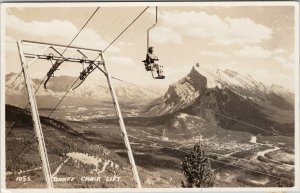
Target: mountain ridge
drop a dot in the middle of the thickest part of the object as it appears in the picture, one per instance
(227, 93)
(91, 90)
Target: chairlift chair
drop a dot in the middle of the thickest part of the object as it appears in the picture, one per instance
(148, 65)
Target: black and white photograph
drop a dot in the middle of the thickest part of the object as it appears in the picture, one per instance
(169, 96)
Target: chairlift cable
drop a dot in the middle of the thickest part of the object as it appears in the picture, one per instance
(22, 152)
(73, 38)
(59, 62)
(240, 167)
(117, 38)
(239, 121)
(63, 97)
(150, 90)
(62, 54)
(225, 116)
(44, 80)
(118, 79)
(125, 29)
(81, 29)
(14, 125)
(120, 19)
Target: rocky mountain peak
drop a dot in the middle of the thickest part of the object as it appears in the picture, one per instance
(204, 79)
(231, 73)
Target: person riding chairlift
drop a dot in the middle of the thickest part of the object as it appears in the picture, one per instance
(150, 61)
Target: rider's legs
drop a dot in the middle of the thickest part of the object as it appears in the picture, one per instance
(158, 68)
(161, 69)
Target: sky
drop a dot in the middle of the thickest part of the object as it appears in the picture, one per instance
(254, 40)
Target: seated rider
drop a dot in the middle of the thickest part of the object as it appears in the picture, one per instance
(151, 58)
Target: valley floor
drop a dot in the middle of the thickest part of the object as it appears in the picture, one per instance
(238, 159)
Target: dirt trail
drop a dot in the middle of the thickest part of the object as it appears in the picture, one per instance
(264, 152)
(59, 167)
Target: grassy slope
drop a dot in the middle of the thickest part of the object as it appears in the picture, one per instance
(60, 139)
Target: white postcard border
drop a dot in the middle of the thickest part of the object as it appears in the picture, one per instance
(107, 4)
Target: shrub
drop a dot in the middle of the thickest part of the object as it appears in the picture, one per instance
(197, 169)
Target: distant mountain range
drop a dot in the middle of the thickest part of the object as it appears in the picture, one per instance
(91, 90)
(223, 97)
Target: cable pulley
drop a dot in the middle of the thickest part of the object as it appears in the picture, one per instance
(85, 73)
(54, 68)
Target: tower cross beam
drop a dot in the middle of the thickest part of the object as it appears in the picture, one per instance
(66, 59)
(34, 109)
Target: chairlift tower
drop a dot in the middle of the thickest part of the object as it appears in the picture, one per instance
(97, 63)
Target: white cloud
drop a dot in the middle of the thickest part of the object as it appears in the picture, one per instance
(233, 65)
(121, 60)
(286, 62)
(10, 44)
(165, 35)
(57, 31)
(123, 43)
(213, 54)
(244, 31)
(254, 52)
(287, 81)
(280, 59)
(279, 51)
(277, 55)
(223, 31)
(267, 76)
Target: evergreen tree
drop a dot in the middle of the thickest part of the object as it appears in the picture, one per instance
(197, 169)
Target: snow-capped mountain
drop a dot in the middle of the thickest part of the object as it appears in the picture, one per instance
(213, 95)
(181, 93)
(91, 89)
(284, 93)
(185, 91)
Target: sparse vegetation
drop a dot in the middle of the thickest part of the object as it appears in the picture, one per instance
(158, 166)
